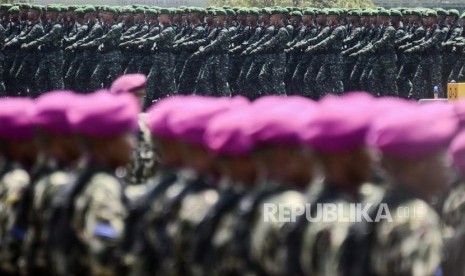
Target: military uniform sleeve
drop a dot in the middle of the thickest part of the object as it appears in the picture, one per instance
(279, 39)
(95, 33)
(386, 41)
(166, 34)
(79, 35)
(51, 37)
(221, 40)
(103, 214)
(113, 34)
(436, 39)
(354, 37)
(36, 32)
(337, 33)
(410, 244)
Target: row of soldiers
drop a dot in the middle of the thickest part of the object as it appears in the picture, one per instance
(410, 53)
(231, 178)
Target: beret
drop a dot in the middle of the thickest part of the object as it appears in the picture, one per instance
(384, 13)
(227, 133)
(128, 83)
(164, 11)
(265, 11)
(453, 12)
(463, 15)
(105, 115)
(53, 8)
(283, 121)
(395, 13)
(219, 12)
(139, 10)
(189, 124)
(253, 11)
(321, 12)
(416, 12)
(89, 9)
(308, 12)
(230, 12)
(441, 11)
(5, 7)
(16, 115)
(403, 134)
(52, 111)
(14, 9)
(337, 127)
(296, 13)
(354, 13)
(151, 11)
(428, 13)
(243, 11)
(160, 113)
(333, 12)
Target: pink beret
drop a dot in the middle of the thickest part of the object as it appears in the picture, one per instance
(128, 83)
(414, 132)
(189, 123)
(159, 113)
(16, 117)
(457, 150)
(227, 133)
(337, 127)
(281, 125)
(52, 111)
(103, 114)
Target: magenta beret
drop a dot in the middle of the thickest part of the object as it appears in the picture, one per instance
(189, 123)
(128, 83)
(414, 132)
(227, 133)
(159, 114)
(103, 114)
(16, 117)
(337, 127)
(52, 111)
(281, 124)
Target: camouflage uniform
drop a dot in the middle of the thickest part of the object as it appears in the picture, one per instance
(9, 55)
(134, 57)
(12, 187)
(188, 69)
(384, 72)
(28, 66)
(235, 61)
(449, 58)
(429, 70)
(2, 63)
(411, 61)
(37, 254)
(408, 245)
(321, 243)
(329, 77)
(160, 81)
(75, 57)
(143, 63)
(89, 59)
(98, 221)
(109, 67)
(253, 73)
(355, 35)
(311, 88)
(297, 81)
(49, 75)
(193, 65)
(272, 73)
(212, 80)
(242, 85)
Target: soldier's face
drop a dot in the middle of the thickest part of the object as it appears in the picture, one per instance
(240, 169)
(198, 158)
(164, 18)
(170, 152)
(251, 19)
(33, 15)
(321, 19)
(450, 20)
(14, 17)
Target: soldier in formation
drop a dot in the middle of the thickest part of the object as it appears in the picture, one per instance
(348, 185)
(252, 52)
